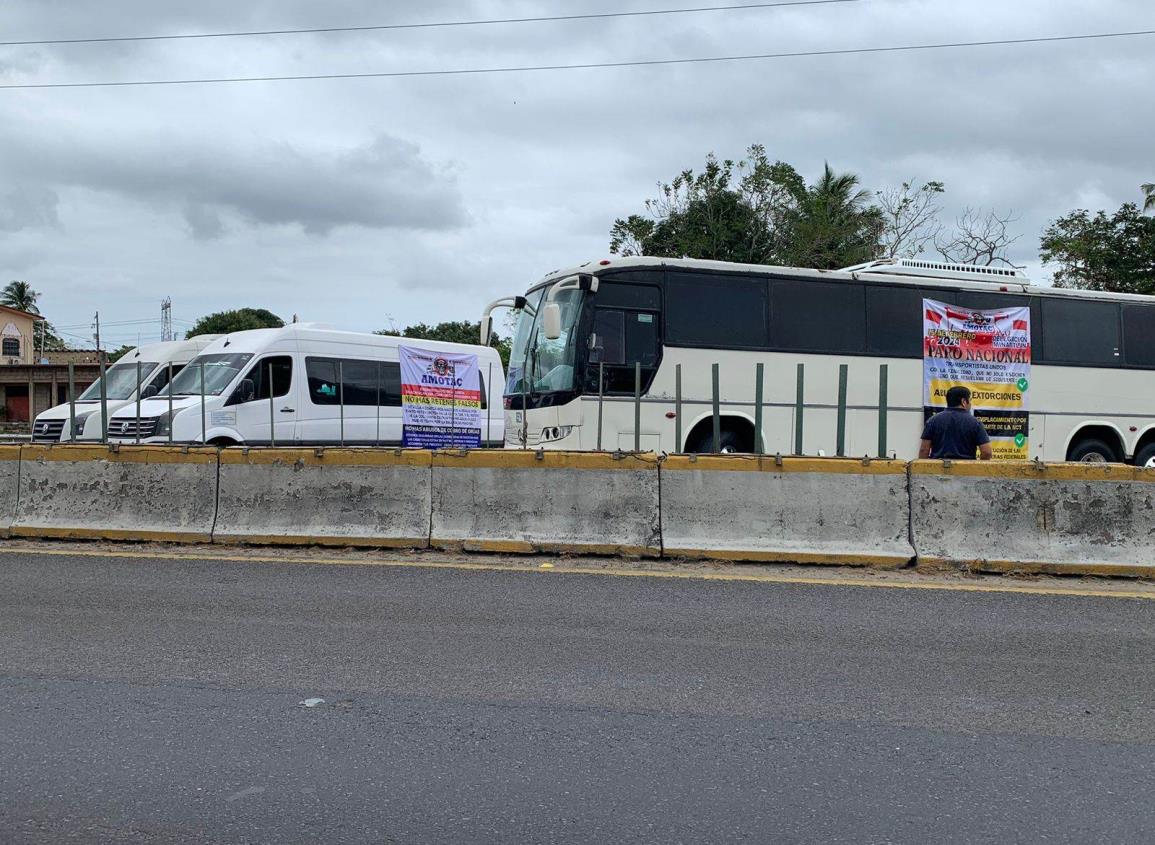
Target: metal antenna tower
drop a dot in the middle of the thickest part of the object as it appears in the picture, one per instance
(166, 319)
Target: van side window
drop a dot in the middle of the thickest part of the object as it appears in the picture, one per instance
(160, 382)
(281, 367)
(332, 380)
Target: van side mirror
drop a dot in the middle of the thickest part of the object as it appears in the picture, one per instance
(248, 390)
(551, 321)
(149, 392)
(486, 329)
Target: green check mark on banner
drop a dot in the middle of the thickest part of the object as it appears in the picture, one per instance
(1023, 384)
(1020, 439)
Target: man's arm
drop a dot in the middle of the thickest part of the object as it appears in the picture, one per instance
(924, 447)
(986, 453)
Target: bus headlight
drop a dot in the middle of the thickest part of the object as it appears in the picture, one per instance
(557, 432)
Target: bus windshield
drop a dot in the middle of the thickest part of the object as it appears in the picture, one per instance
(520, 349)
(220, 370)
(550, 363)
(120, 382)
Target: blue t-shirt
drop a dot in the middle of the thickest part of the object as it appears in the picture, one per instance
(954, 434)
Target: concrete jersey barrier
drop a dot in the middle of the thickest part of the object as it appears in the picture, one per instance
(9, 487)
(1056, 518)
(563, 502)
(795, 510)
(348, 497)
(130, 493)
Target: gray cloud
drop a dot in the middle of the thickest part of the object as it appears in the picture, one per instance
(27, 208)
(384, 183)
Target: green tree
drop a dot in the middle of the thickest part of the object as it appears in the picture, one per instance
(1149, 194)
(462, 331)
(730, 211)
(116, 354)
(240, 320)
(755, 211)
(1102, 252)
(835, 224)
(23, 297)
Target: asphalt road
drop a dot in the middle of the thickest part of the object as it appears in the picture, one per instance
(151, 700)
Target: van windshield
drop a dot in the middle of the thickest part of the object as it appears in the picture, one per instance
(220, 370)
(120, 382)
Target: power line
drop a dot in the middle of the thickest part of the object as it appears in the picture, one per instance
(589, 66)
(436, 25)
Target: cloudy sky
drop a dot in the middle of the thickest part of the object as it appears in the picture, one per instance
(360, 202)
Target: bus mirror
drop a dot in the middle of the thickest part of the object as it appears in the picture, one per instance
(149, 392)
(486, 329)
(248, 390)
(551, 321)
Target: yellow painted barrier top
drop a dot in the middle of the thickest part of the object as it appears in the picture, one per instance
(1026, 470)
(10, 453)
(122, 454)
(522, 459)
(771, 463)
(332, 457)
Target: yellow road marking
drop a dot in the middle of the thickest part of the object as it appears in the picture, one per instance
(747, 577)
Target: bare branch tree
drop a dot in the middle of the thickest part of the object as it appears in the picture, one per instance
(981, 238)
(910, 219)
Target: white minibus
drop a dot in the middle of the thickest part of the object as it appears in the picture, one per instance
(656, 328)
(153, 364)
(328, 388)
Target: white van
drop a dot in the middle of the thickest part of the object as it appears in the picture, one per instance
(54, 425)
(305, 363)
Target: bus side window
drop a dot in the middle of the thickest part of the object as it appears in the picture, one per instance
(623, 339)
(160, 382)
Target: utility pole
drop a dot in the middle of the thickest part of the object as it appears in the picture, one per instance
(99, 351)
(166, 319)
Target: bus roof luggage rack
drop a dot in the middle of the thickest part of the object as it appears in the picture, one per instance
(937, 270)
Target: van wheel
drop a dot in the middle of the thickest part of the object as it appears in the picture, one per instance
(223, 442)
(1145, 457)
(1093, 451)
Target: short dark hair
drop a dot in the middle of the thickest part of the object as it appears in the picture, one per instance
(957, 395)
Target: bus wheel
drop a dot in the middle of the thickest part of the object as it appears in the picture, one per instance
(1093, 451)
(1145, 457)
(732, 444)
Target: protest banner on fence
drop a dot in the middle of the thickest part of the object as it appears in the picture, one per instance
(440, 399)
(989, 352)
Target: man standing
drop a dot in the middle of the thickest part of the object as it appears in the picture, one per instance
(954, 434)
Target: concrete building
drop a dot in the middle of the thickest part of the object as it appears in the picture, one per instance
(29, 381)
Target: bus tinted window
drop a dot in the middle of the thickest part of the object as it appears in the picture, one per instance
(722, 312)
(1076, 332)
(613, 294)
(1139, 335)
(823, 317)
(894, 320)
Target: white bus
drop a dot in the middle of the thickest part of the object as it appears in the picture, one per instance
(1093, 373)
(328, 388)
(152, 364)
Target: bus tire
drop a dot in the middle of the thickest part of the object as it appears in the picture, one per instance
(1145, 457)
(731, 444)
(1093, 451)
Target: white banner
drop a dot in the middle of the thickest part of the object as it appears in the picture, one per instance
(440, 399)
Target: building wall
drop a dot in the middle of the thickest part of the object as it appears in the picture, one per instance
(16, 329)
(49, 387)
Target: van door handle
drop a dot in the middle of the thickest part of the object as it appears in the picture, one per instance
(288, 410)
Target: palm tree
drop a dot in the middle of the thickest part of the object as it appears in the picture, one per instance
(836, 225)
(21, 296)
(1149, 190)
